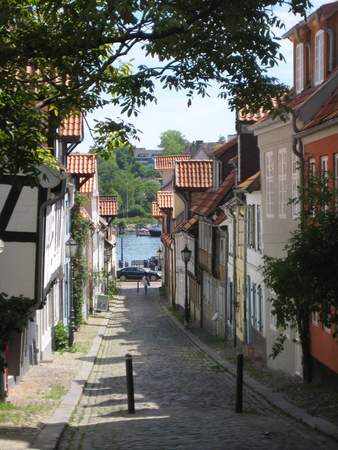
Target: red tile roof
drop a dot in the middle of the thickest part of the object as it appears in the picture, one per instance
(211, 199)
(155, 210)
(252, 183)
(72, 128)
(327, 112)
(322, 13)
(165, 199)
(224, 147)
(168, 162)
(186, 225)
(108, 206)
(83, 164)
(194, 174)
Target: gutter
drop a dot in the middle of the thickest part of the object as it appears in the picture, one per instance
(42, 234)
(317, 128)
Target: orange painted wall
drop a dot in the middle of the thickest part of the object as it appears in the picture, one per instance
(323, 346)
(327, 146)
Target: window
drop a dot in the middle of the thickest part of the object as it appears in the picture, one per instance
(314, 320)
(251, 226)
(319, 57)
(312, 167)
(282, 186)
(260, 308)
(269, 174)
(336, 177)
(324, 169)
(295, 186)
(299, 68)
(336, 171)
(230, 302)
(259, 228)
(253, 305)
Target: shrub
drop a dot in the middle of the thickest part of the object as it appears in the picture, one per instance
(61, 336)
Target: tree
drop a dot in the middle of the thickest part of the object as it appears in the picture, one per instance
(173, 142)
(60, 57)
(305, 281)
(123, 176)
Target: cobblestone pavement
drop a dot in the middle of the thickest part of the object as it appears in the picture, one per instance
(39, 392)
(184, 400)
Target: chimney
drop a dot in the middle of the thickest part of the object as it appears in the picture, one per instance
(216, 174)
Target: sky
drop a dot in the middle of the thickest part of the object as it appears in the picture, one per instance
(206, 119)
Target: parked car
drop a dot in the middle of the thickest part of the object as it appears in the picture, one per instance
(136, 273)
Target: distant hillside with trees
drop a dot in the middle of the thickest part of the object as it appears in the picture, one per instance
(173, 142)
(134, 184)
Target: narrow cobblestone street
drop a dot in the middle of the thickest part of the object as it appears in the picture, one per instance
(184, 400)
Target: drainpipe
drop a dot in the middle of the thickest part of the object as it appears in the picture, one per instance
(297, 149)
(243, 204)
(41, 241)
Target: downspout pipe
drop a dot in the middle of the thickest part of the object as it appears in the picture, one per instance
(41, 241)
(298, 150)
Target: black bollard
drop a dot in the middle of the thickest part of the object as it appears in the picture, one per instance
(130, 384)
(239, 384)
(138, 286)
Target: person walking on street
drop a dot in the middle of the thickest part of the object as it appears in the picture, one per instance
(145, 283)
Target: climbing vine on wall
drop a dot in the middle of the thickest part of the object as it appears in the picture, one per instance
(14, 314)
(80, 233)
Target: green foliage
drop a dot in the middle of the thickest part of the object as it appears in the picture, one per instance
(132, 182)
(305, 279)
(80, 232)
(113, 288)
(173, 142)
(81, 51)
(61, 336)
(14, 313)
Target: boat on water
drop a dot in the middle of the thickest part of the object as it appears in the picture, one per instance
(155, 231)
(142, 232)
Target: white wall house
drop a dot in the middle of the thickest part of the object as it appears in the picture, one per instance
(256, 326)
(182, 239)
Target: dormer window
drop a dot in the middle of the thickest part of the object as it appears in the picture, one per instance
(319, 57)
(299, 68)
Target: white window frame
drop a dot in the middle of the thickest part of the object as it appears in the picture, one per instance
(295, 186)
(299, 82)
(259, 228)
(314, 318)
(269, 179)
(312, 167)
(319, 57)
(324, 168)
(282, 183)
(336, 171)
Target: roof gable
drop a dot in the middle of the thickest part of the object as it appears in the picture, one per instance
(194, 174)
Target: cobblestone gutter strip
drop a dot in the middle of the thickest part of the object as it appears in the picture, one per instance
(274, 398)
(54, 426)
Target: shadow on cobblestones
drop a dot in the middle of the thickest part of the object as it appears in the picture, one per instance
(184, 400)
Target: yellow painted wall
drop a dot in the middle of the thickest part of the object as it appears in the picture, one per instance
(178, 206)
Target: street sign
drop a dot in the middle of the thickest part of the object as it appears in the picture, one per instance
(102, 302)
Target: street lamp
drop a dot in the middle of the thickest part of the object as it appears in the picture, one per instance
(107, 257)
(71, 251)
(159, 252)
(186, 255)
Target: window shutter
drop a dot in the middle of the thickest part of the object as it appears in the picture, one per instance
(319, 57)
(299, 68)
